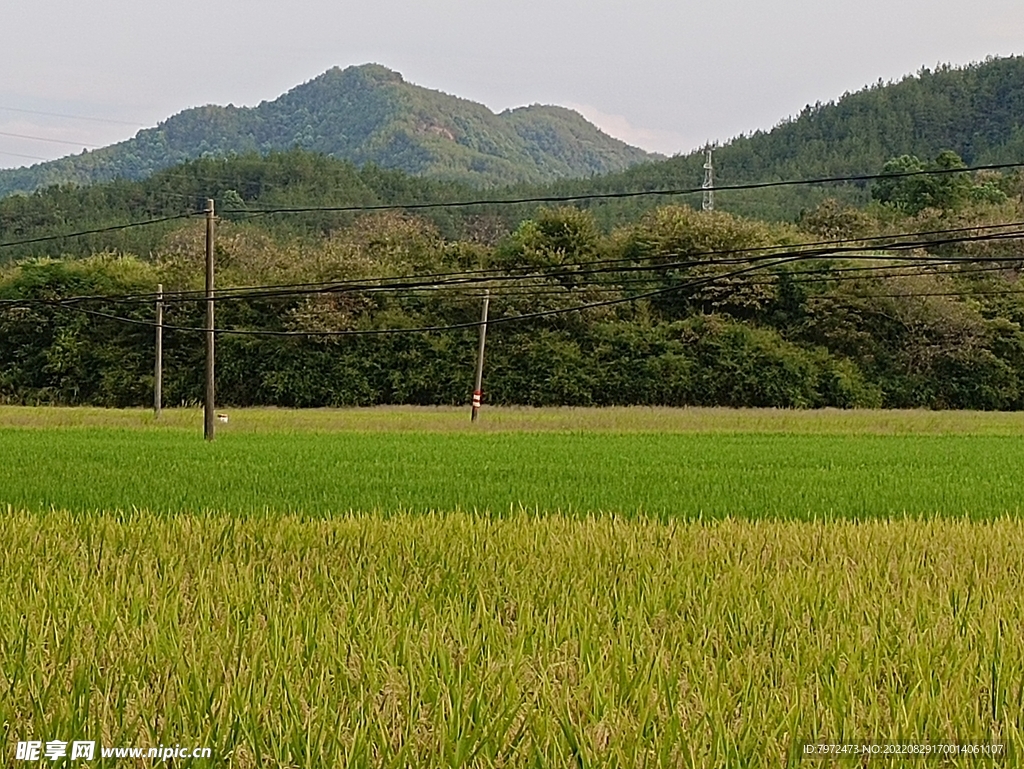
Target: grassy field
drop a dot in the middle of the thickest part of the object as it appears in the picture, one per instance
(710, 472)
(622, 420)
(617, 588)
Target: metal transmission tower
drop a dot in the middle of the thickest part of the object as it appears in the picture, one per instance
(709, 181)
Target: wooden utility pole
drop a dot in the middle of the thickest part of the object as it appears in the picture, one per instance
(209, 417)
(158, 373)
(477, 389)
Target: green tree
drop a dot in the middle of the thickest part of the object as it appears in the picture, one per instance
(910, 190)
(899, 190)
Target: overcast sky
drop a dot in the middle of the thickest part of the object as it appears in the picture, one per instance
(666, 75)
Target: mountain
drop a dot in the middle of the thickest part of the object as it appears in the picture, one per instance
(976, 111)
(365, 114)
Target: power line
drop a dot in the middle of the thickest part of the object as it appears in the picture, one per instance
(431, 329)
(695, 283)
(45, 139)
(617, 195)
(71, 117)
(19, 155)
(916, 294)
(543, 199)
(416, 283)
(816, 275)
(98, 230)
(757, 264)
(469, 279)
(832, 275)
(252, 212)
(800, 252)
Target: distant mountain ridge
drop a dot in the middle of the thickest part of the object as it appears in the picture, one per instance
(370, 115)
(976, 110)
(364, 114)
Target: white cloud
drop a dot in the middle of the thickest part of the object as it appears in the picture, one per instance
(650, 139)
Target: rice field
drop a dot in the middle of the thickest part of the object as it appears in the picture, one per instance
(665, 475)
(718, 592)
(613, 419)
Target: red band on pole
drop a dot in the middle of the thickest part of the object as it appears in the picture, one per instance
(476, 399)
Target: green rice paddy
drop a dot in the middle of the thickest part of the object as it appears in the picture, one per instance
(667, 475)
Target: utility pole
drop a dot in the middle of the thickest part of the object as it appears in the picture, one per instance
(158, 374)
(208, 402)
(477, 391)
(709, 181)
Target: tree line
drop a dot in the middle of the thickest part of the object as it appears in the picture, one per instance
(671, 314)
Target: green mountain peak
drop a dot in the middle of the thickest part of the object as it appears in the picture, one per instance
(364, 114)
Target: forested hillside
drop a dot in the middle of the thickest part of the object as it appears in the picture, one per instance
(370, 116)
(901, 292)
(976, 111)
(366, 114)
(894, 305)
(249, 182)
(243, 186)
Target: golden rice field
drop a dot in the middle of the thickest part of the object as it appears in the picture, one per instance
(587, 632)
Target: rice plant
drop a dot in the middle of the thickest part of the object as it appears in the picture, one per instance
(455, 639)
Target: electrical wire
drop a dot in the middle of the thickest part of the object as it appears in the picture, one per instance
(622, 195)
(915, 295)
(541, 199)
(19, 155)
(776, 260)
(462, 280)
(432, 329)
(877, 272)
(70, 117)
(52, 141)
(99, 230)
(821, 249)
